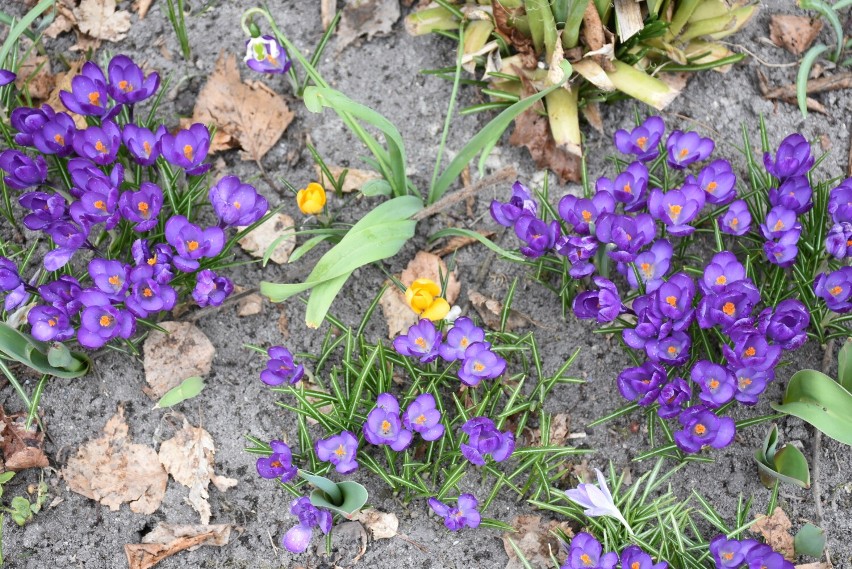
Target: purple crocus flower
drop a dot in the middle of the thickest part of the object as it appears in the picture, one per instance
(83, 170)
(793, 158)
(701, 427)
(63, 293)
(538, 235)
(211, 289)
(579, 250)
(298, 537)
(587, 553)
(643, 141)
(677, 208)
(6, 77)
(22, 171)
(187, 149)
(127, 81)
(729, 553)
(10, 279)
(650, 323)
(582, 212)
(840, 202)
(142, 144)
(717, 179)
(675, 296)
(632, 557)
(192, 243)
(722, 270)
(142, 207)
(627, 234)
(97, 204)
(88, 95)
(28, 120)
(279, 464)
(685, 148)
(751, 383)
(603, 304)
(672, 350)
(99, 144)
(652, 265)
(111, 277)
(465, 514)
(779, 221)
(236, 203)
(762, 556)
(339, 450)
(156, 263)
(384, 425)
(835, 288)
(49, 324)
(483, 439)
(422, 416)
(717, 383)
(56, 136)
(101, 322)
(752, 350)
(68, 238)
(737, 220)
(421, 341)
(673, 396)
(480, 363)
(630, 187)
(46, 209)
(793, 194)
(147, 296)
(265, 55)
(838, 242)
(784, 250)
(281, 367)
(729, 308)
(642, 384)
(463, 333)
(786, 325)
(521, 203)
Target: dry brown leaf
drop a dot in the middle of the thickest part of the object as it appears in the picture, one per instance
(490, 309)
(794, 33)
(535, 540)
(171, 358)
(370, 17)
(559, 431)
(327, 10)
(522, 44)
(35, 73)
(165, 540)
(455, 243)
(250, 305)
(817, 565)
(249, 115)
(775, 529)
(99, 19)
(283, 323)
(582, 471)
(424, 265)
(354, 178)
(188, 457)
(382, 525)
(258, 241)
(22, 448)
(112, 470)
(141, 7)
(64, 21)
(63, 82)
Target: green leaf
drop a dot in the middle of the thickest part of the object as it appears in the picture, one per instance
(189, 388)
(803, 74)
(6, 476)
(810, 541)
(844, 366)
(790, 466)
(329, 487)
(21, 512)
(20, 27)
(376, 188)
(354, 498)
(32, 353)
(302, 249)
(819, 400)
(58, 355)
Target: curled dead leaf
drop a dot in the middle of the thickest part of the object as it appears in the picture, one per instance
(34, 73)
(166, 539)
(22, 448)
(170, 358)
(382, 525)
(100, 19)
(264, 235)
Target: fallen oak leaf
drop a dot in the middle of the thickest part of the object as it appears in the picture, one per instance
(165, 540)
(382, 525)
(188, 457)
(22, 448)
(112, 470)
(775, 529)
(170, 358)
(100, 19)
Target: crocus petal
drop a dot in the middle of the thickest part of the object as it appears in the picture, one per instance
(297, 538)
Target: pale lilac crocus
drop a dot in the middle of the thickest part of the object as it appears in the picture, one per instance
(597, 500)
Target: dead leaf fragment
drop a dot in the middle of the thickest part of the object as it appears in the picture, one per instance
(250, 305)
(35, 73)
(455, 243)
(775, 529)
(141, 7)
(490, 309)
(424, 265)
(249, 115)
(258, 241)
(794, 33)
(327, 10)
(535, 540)
(382, 525)
(354, 178)
(817, 565)
(22, 448)
(165, 540)
(170, 358)
(188, 457)
(112, 470)
(370, 17)
(99, 19)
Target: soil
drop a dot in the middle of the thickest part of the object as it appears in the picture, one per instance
(385, 74)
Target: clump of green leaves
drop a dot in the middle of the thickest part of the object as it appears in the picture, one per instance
(786, 464)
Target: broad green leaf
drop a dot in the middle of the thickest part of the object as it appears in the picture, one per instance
(788, 465)
(376, 188)
(21, 512)
(329, 487)
(844, 366)
(6, 476)
(354, 498)
(302, 249)
(32, 353)
(189, 388)
(810, 541)
(321, 298)
(819, 400)
(58, 355)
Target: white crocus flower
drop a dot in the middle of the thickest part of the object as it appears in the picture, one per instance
(597, 500)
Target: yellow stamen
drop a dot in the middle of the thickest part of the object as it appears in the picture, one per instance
(99, 146)
(105, 320)
(99, 204)
(477, 366)
(125, 86)
(192, 245)
(187, 152)
(143, 208)
(721, 279)
(147, 293)
(95, 98)
(729, 308)
(152, 261)
(674, 211)
(340, 451)
(386, 426)
(711, 187)
(835, 291)
(684, 152)
(627, 188)
(714, 383)
(59, 138)
(700, 429)
(672, 350)
(779, 225)
(745, 382)
(735, 222)
(750, 351)
(237, 205)
(147, 147)
(641, 142)
(587, 215)
(420, 420)
(586, 559)
(51, 322)
(672, 301)
(647, 270)
(114, 280)
(420, 342)
(464, 342)
(275, 464)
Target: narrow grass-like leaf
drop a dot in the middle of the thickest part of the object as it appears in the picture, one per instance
(803, 74)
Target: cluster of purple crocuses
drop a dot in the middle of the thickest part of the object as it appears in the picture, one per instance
(665, 311)
(737, 554)
(586, 552)
(100, 196)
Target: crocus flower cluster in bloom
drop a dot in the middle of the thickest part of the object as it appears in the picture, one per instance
(737, 554)
(163, 255)
(664, 309)
(586, 552)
